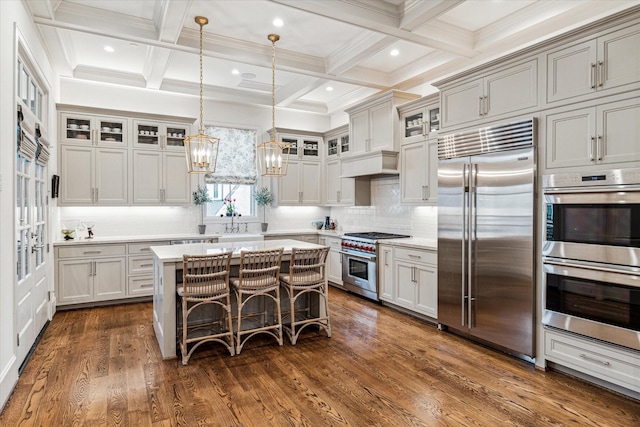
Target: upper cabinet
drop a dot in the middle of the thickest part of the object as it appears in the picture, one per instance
(503, 92)
(420, 118)
(595, 65)
(337, 142)
(159, 135)
(302, 146)
(86, 129)
(374, 125)
(301, 185)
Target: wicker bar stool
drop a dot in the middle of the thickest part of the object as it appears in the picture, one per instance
(259, 275)
(307, 275)
(205, 283)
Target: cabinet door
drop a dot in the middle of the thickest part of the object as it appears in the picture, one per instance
(405, 285)
(413, 172)
(381, 120)
(571, 71)
(619, 130)
(335, 267)
(461, 104)
(111, 176)
(76, 175)
(431, 186)
(310, 147)
(619, 53)
(427, 281)
(74, 283)
(311, 176)
(359, 131)
(138, 286)
(146, 134)
(511, 90)
(77, 128)
(109, 278)
(289, 185)
(571, 138)
(147, 177)
(333, 184)
(174, 136)
(111, 131)
(177, 181)
(385, 276)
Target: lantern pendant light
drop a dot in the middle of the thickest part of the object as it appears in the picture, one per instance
(201, 149)
(273, 156)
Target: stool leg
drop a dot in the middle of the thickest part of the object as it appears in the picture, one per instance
(232, 349)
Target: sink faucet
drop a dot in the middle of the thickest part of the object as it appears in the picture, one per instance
(231, 228)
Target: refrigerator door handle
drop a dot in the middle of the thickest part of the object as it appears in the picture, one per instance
(473, 172)
(465, 199)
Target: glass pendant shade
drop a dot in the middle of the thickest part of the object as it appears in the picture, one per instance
(202, 153)
(273, 158)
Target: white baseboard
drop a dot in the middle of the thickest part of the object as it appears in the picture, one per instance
(8, 380)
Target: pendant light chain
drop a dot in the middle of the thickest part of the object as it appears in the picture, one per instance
(201, 121)
(273, 88)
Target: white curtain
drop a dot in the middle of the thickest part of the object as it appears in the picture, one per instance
(236, 156)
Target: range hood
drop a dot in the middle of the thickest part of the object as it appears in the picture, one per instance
(371, 164)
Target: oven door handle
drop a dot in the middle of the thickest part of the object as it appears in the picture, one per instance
(620, 269)
(364, 257)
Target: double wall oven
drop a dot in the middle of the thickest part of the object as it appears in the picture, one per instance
(591, 255)
(359, 261)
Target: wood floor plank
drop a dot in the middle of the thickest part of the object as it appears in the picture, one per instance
(102, 366)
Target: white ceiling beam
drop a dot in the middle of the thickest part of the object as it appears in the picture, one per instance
(351, 14)
(289, 94)
(355, 51)
(418, 13)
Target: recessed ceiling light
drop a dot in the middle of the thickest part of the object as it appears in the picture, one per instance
(278, 22)
(329, 88)
(248, 76)
(394, 52)
(109, 49)
(235, 72)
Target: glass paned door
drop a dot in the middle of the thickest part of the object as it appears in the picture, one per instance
(23, 229)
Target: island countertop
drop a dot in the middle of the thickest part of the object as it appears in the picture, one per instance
(175, 253)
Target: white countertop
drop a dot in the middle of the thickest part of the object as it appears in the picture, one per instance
(133, 239)
(175, 253)
(413, 242)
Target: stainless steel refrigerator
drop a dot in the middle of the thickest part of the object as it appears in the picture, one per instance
(486, 274)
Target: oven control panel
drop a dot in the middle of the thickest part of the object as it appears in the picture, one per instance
(606, 177)
(356, 246)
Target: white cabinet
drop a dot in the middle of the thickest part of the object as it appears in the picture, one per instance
(607, 134)
(338, 191)
(302, 185)
(506, 92)
(87, 129)
(140, 268)
(419, 172)
(374, 125)
(337, 142)
(90, 273)
(420, 119)
(302, 147)
(159, 135)
(600, 64)
(606, 362)
(160, 178)
(334, 259)
(415, 281)
(385, 273)
(93, 176)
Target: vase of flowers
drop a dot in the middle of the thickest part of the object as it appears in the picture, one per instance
(263, 198)
(231, 207)
(201, 198)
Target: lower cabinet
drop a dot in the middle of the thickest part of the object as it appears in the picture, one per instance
(334, 259)
(410, 281)
(609, 363)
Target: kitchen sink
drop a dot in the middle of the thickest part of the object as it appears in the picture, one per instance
(240, 237)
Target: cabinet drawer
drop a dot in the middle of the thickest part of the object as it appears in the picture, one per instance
(91, 251)
(143, 247)
(140, 286)
(140, 265)
(611, 364)
(333, 243)
(415, 255)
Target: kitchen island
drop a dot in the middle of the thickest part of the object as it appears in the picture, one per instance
(167, 271)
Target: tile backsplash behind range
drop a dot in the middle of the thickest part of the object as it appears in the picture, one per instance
(387, 214)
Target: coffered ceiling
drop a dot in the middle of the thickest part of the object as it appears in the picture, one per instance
(331, 54)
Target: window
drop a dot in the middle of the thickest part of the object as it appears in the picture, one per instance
(235, 172)
(29, 91)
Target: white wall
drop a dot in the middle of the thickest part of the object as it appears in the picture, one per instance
(387, 214)
(13, 16)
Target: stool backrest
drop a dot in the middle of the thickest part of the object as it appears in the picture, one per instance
(206, 274)
(308, 266)
(260, 268)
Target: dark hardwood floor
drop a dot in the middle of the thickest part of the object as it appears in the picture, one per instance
(102, 366)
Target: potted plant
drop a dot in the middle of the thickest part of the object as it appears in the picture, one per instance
(263, 198)
(201, 198)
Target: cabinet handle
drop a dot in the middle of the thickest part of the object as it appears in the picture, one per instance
(480, 106)
(593, 75)
(338, 195)
(92, 252)
(386, 259)
(601, 80)
(599, 148)
(97, 194)
(593, 141)
(486, 105)
(415, 256)
(145, 265)
(145, 249)
(425, 128)
(593, 359)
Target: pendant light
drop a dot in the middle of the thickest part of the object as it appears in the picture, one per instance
(201, 149)
(273, 156)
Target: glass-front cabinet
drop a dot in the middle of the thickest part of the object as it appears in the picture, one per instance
(420, 118)
(302, 146)
(156, 135)
(337, 142)
(93, 130)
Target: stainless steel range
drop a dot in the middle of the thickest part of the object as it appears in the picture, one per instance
(359, 255)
